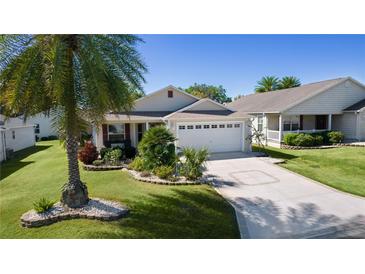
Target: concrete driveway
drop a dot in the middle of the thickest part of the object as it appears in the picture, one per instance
(272, 202)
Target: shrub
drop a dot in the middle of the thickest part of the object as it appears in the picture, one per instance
(137, 164)
(88, 153)
(113, 157)
(103, 151)
(164, 172)
(44, 138)
(129, 152)
(192, 167)
(289, 139)
(157, 148)
(98, 162)
(335, 137)
(52, 137)
(318, 140)
(304, 140)
(43, 205)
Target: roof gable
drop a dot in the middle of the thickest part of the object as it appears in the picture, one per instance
(160, 101)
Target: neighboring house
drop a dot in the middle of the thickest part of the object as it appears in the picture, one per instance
(14, 136)
(337, 104)
(42, 124)
(194, 122)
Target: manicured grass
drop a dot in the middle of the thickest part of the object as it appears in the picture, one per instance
(156, 211)
(342, 168)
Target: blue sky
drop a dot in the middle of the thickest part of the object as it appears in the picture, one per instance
(238, 61)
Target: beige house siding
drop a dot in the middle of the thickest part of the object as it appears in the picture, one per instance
(345, 123)
(361, 125)
(159, 101)
(332, 101)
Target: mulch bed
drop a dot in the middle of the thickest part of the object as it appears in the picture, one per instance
(103, 167)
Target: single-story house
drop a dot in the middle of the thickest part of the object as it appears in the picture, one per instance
(14, 137)
(337, 104)
(194, 122)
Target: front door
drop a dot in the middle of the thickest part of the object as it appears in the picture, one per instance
(321, 121)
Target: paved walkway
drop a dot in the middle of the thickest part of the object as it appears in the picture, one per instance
(272, 202)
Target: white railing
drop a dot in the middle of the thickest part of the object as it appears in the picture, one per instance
(274, 134)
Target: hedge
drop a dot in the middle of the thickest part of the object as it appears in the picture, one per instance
(313, 139)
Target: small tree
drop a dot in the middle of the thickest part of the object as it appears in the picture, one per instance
(157, 148)
(257, 137)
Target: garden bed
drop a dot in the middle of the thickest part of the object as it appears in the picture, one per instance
(153, 179)
(323, 146)
(103, 167)
(98, 209)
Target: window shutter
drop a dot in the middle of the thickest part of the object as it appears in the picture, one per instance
(105, 133)
(127, 132)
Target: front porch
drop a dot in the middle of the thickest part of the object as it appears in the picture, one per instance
(278, 125)
(120, 133)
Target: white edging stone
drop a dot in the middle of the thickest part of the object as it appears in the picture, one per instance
(98, 209)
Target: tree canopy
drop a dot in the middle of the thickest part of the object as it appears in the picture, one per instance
(216, 93)
(270, 83)
(78, 77)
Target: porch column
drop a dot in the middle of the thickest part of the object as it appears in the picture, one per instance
(280, 128)
(147, 125)
(329, 121)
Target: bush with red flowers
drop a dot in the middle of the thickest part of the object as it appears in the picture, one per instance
(88, 154)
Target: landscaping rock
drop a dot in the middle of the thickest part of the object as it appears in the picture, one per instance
(155, 180)
(98, 209)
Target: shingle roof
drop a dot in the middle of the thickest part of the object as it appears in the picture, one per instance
(357, 106)
(137, 115)
(280, 100)
(208, 115)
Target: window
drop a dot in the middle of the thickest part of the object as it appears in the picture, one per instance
(229, 126)
(222, 126)
(140, 130)
(237, 125)
(260, 123)
(290, 125)
(36, 129)
(181, 127)
(170, 93)
(287, 125)
(214, 126)
(13, 134)
(198, 126)
(206, 126)
(294, 126)
(190, 127)
(116, 132)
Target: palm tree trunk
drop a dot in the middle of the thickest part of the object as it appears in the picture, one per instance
(75, 192)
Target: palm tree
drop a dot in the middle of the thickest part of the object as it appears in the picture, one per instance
(267, 83)
(80, 77)
(289, 82)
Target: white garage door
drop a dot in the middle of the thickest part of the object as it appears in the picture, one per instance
(216, 137)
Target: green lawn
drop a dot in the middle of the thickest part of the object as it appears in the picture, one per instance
(156, 211)
(342, 168)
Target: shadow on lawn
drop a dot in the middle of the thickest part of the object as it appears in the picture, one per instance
(275, 153)
(185, 214)
(16, 162)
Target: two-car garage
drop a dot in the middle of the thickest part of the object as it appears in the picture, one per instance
(215, 136)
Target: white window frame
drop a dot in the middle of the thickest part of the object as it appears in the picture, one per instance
(112, 133)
